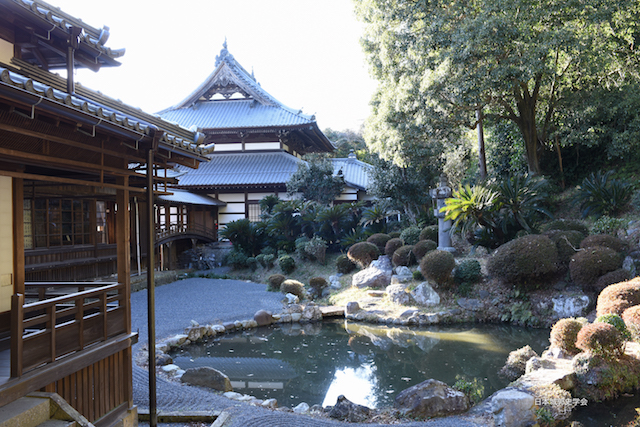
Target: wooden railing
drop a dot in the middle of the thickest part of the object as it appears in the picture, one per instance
(175, 230)
(63, 319)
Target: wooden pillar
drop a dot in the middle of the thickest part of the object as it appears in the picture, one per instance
(123, 241)
(151, 304)
(18, 236)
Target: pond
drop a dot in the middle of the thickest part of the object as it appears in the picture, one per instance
(369, 364)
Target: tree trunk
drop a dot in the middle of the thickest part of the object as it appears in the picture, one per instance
(481, 153)
(527, 124)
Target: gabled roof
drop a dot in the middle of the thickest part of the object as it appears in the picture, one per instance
(241, 169)
(230, 100)
(48, 29)
(354, 172)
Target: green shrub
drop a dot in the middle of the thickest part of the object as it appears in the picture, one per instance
(317, 285)
(602, 339)
(392, 245)
(588, 265)
(606, 241)
(430, 232)
(567, 243)
(315, 249)
(403, 256)
(437, 266)
(300, 243)
(363, 253)
(236, 259)
(286, 264)
(380, 240)
(252, 263)
(275, 280)
(631, 317)
(260, 260)
(468, 271)
(269, 259)
(607, 225)
(516, 363)
(524, 261)
(600, 194)
(245, 236)
(423, 247)
(564, 334)
(565, 225)
(410, 235)
(294, 287)
(618, 297)
(473, 389)
(344, 265)
(617, 322)
(417, 275)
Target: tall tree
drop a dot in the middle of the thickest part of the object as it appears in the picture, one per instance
(315, 180)
(439, 61)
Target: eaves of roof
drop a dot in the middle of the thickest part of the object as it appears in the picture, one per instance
(185, 197)
(94, 113)
(355, 172)
(242, 169)
(58, 19)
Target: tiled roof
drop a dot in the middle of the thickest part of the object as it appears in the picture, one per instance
(182, 196)
(235, 113)
(237, 169)
(92, 36)
(52, 96)
(355, 172)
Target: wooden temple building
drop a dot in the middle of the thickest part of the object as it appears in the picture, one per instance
(74, 166)
(259, 143)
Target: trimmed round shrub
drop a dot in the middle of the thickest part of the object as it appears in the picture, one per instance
(617, 322)
(604, 240)
(380, 240)
(566, 224)
(286, 264)
(567, 243)
(602, 339)
(588, 265)
(236, 259)
(430, 232)
(564, 334)
(410, 235)
(317, 285)
(616, 276)
(437, 266)
(344, 265)
(294, 287)
(394, 234)
(468, 271)
(392, 245)
(403, 256)
(617, 298)
(423, 247)
(275, 280)
(631, 317)
(525, 260)
(363, 253)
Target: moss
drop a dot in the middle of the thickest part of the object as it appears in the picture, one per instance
(423, 247)
(524, 261)
(363, 253)
(564, 334)
(566, 224)
(598, 379)
(437, 266)
(392, 245)
(410, 235)
(588, 265)
(617, 322)
(404, 256)
(567, 243)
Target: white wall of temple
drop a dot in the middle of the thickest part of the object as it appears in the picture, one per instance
(6, 243)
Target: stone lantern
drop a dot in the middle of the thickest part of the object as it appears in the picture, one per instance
(444, 226)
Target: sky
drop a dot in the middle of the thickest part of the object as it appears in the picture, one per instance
(305, 53)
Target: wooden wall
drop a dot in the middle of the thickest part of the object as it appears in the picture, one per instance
(6, 243)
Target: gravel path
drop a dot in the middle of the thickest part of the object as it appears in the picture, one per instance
(210, 301)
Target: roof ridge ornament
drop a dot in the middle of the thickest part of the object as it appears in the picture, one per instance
(224, 53)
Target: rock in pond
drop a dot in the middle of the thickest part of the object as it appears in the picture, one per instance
(431, 398)
(345, 410)
(206, 376)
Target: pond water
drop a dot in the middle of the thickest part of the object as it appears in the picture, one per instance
(369, 364)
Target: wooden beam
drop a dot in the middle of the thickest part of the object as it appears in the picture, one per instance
(67, 181)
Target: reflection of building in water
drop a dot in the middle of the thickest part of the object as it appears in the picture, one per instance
(245, 372)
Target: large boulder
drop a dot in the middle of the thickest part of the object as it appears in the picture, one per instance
(431, 398)
(569, 305)
(512, 408)
(345, 410)
(206, 376)
(398, 295)
(377, 275)
(263, 317)
(425, 295)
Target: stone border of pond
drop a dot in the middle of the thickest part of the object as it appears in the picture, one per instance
(515, 405)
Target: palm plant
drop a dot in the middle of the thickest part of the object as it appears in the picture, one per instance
(471, 208)
(245, 236)
(375, 218)
(521, 201)
(600, 194)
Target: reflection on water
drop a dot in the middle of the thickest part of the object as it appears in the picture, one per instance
(369, 364)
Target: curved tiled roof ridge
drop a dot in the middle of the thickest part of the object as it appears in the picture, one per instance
(92, 36)
(100, 112)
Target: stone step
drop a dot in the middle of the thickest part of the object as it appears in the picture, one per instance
(25, 412)
(332, 311)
